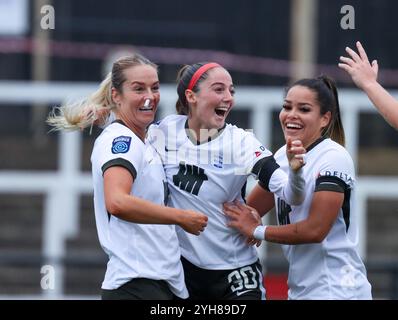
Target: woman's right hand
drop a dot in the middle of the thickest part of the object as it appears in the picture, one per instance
(357, 65)
(192, 221)
(295, 153)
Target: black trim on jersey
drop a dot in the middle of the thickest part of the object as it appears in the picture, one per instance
(346, 208)
(263, 169)
(120, 162)
(243, 191)
(166, 192)
(335, 184)
(123, 124)
(314, 144)
(120, 122)
(197, 142)
(330, 183)
(283, 211)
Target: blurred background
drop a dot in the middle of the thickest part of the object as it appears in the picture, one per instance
(52, 51)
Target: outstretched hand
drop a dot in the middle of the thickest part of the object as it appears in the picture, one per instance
(359, 67)
(243, 218)
(295, 153)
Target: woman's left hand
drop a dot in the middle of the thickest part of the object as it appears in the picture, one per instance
(362, 72)
(253, 242)
(243, 218)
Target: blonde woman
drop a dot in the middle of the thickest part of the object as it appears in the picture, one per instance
(135, 228)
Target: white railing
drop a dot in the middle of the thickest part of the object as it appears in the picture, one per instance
(63, 187)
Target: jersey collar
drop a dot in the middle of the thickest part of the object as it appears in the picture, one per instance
(315, 143)
(123, 124)
(196, 142)
(119, 121)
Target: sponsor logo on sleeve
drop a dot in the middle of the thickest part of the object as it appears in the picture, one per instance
(259, 152)
(121, 144)
(343, 176)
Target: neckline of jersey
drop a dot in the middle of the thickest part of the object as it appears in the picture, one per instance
(197, 142)
(315, 143)
(123, 124)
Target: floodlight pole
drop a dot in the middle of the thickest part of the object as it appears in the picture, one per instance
(303, 42)
(40, 68)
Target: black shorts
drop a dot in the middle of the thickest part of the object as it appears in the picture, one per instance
(140, 289)
(244, 283)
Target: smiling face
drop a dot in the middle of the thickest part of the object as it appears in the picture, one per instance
(138, 99)
(211, 104)
(300, 116)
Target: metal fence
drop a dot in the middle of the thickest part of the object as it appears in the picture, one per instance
(63, 187)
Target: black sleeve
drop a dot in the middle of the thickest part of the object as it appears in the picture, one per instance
(335, 184)
(330, 183)
(120, 162)
(264, 169)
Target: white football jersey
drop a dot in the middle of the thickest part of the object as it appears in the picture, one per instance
(134, 250)
(202, 177)
(333, 268)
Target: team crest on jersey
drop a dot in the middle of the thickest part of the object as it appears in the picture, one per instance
(218, 161)
(121, 144)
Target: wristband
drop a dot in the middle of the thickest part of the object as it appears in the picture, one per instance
(259, 232)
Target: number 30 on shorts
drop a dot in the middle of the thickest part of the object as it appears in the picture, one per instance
(243, 279)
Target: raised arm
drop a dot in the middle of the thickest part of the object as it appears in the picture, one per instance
(290, 187)
(364, 75)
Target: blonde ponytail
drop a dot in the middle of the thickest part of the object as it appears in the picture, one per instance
(85, 113)
(96, 109)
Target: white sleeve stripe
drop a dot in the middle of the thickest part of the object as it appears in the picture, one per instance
(333, 183)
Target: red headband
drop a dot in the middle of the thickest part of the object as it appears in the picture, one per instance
(199, 73)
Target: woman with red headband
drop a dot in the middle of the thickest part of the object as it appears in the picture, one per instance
(207, 163)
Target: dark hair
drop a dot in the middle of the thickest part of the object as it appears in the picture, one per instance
(184, 76)
(327, 97)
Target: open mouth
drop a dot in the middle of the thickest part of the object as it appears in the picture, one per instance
(146, 108)
(293, 126)
(221, 111)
